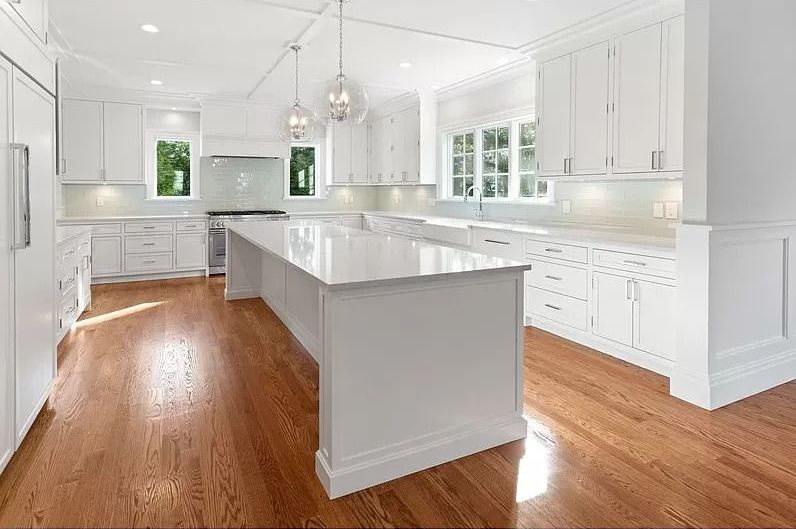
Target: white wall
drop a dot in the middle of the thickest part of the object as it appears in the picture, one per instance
(750, 172)
(509, 93)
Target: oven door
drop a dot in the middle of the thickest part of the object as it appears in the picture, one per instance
(217, 248)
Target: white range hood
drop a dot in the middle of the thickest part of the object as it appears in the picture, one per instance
(242, 131)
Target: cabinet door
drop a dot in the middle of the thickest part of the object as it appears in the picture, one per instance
(376, 154)
(359, 154)
(191, 250)
(6, 257)
(106, 256)
(612, 307)
(394, 156)
(637, 86)
(590, 110)
(654, 327)
(82, 141)
(411, 144)
(672, 95)
(341, 155)
(123, 149)
(554, 115)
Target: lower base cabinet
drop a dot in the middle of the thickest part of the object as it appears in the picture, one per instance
(106, 255)
(191, 250)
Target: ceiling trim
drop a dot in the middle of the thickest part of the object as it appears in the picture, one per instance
(506, 71)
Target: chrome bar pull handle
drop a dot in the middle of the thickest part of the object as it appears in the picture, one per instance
(629, 289)
(660, 160)
(21, 196)
(654, 153)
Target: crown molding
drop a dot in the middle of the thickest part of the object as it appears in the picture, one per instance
(523, 66)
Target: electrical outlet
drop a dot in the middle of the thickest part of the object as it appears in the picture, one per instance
(672, 211)
(348, 199)
(100, 200)
(657, 210)
(566, 206)
(431, 202)
(396, 200)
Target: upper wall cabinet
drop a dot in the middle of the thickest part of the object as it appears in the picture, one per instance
(350, 154)
(102, 142)
(34, 13)
(573, 113)
(648, 99)
(395, 148)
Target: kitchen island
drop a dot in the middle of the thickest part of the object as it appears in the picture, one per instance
(420, 346)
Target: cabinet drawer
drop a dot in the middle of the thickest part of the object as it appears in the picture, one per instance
(68, 312)
(559, 278)
(106, 229)
(498, 243)
(191, 225)
(554, 250)
(66, 278)
(148, 262)
(556, 307)
(143, 244)
(634, 262)
(84, 247)
(148, 227)
(67, 252)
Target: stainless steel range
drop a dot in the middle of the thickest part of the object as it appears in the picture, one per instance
(218, 232)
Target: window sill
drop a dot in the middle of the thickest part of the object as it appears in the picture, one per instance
(508, 202)
(300, 198)
(172, 199)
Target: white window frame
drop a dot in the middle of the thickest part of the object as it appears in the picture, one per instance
(153, 137)
(320, 182)
(446, 186)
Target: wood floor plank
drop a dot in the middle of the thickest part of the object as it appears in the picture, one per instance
(174, 408)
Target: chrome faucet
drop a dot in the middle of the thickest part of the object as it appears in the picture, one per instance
(479, 213)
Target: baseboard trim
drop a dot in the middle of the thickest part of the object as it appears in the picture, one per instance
(241, 293)
(20, 435)
(648, 361)
(363, 475)
(147, 277)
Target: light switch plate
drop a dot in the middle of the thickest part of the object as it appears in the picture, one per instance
(100, 200)
(672, 211)
(566, 206)
(657, 210)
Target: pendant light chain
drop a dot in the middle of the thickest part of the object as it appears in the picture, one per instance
(296, 48)
(341, 37)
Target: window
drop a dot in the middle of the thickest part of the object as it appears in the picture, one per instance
(495, 158)
(463, 163)
(174, 173)
(302, 172)
(506, 167)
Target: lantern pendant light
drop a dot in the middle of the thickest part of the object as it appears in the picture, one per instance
(297, 123)
(341, 100)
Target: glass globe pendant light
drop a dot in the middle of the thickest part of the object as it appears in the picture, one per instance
(342, 99)
(297, 123)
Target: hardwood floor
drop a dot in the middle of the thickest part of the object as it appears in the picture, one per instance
(175, 408)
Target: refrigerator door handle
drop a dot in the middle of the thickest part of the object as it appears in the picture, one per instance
(21, 167)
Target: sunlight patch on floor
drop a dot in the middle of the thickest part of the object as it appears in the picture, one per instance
(534, 469)
(121, 313)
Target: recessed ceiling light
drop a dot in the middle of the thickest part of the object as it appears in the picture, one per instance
(149, 28)
(405, 65)
(435, 87)
(155, 82)
(174, 109)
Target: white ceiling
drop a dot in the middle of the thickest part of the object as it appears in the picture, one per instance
(237, 48)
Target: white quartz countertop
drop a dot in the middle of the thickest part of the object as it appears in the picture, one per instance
(339, 257)
(659, 241)
(65, 233)
(121, 218)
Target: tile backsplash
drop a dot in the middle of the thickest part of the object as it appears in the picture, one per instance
(236, 183)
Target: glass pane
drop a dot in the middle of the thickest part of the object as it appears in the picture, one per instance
(489, 186)
(458, 165)
(503, 138)
(542, 189)
(469, 164)
(489, 162)
(468, 182)
(527, 133)
(458, 144)
(174, 168)
(302, 171)
(469, 142)
(457, 187)
(527, 160)
(527, 185)
(503, 161)
(503, 186)
(489, 139)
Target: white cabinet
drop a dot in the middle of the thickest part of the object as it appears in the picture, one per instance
(635, 312)
(395, 148)
(612, 307)
(106, 255)
(102, 142)
(350, 154)
(34, 13)
(73, 281)
(82, 140)
(7, 378)
(380, 157)
(654, 318)
(191, 250)
(573, 113)
(123, 151)
(410, 145)
(648, 99)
